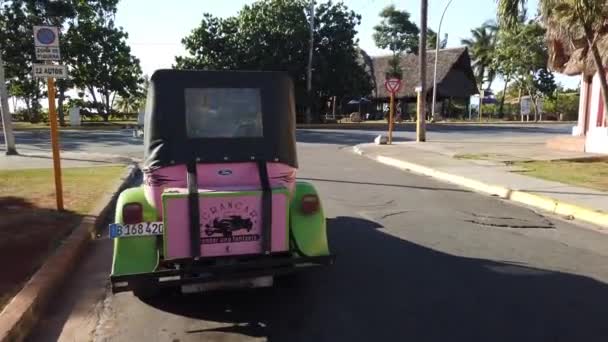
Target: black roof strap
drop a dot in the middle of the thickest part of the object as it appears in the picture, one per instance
(266, 208)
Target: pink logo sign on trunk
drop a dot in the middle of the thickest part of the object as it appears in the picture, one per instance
(393, 85)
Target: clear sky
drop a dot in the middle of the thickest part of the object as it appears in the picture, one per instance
(156, 27)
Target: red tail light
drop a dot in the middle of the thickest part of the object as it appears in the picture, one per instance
(132, 213)
(310, 204)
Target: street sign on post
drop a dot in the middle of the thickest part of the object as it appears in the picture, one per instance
(50, 70)
(393, 85)
(46, 42)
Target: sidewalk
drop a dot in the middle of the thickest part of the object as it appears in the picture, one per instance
(494, 175)
(37, 159)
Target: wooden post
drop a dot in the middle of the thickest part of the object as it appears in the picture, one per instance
(390, 119)
(55, 144)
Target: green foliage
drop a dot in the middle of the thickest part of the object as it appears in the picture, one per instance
(521, 54)
(397, 33)
(564, 104)
(432, 40)
(100, 58)
(489, 110)
(481, 46)
(95, 51)
(274, 35)
(572, 21)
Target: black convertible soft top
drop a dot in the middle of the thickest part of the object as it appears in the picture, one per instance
(167, 140)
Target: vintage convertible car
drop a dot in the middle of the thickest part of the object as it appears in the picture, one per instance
(219, 203)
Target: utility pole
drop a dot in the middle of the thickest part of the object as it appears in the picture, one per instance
(310, 53)
(421, 122)
(7, 124)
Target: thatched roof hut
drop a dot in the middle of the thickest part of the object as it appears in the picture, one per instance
(569, 53)
(455, 77)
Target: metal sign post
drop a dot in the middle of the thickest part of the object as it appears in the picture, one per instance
(393, 85)
(46, 41)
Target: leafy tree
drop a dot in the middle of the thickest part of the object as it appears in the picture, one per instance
(100, 58)
(397, 33)
(432, 40)
(522, 55)
(481, 45)
(133, 103)
(273, 35)
(16, 40)
(95, 52)
(577, 18)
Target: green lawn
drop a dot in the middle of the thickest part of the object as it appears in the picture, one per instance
(480, 156)
(589, 173)
(82, 187)
(30, 226)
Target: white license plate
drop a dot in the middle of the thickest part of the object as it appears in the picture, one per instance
(136, 229)
(258, 282)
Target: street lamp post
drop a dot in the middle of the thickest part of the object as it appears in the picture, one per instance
(436, 57)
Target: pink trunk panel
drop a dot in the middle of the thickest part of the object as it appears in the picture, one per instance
(223, 176)
(230, 225)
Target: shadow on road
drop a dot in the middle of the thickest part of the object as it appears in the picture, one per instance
(384, 288)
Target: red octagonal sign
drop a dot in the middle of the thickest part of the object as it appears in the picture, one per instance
(392, 85)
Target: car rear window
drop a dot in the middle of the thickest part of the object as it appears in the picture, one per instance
(223, 112)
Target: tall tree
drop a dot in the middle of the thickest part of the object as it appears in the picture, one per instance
(481, 45)
(522, 55)
(273, 35)
(578, 18)
(97, 40)
(17, 19)
(100, 58)
(397, 33)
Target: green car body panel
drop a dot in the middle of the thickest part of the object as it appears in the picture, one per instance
(133, 255)
(308, 231)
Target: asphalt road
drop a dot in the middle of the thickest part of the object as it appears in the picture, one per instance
(122, 142)
(418, 260)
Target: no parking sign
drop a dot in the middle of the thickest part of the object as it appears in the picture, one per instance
(46, 42)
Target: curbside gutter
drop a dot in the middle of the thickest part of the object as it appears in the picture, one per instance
(384, 125)
(22, 313)
(549, 204)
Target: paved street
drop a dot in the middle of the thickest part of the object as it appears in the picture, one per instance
(417, 260)
(122, 142)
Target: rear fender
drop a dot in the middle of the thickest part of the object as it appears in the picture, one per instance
(135, 254)
(308, 232)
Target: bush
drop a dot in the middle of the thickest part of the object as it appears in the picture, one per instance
(564, 104)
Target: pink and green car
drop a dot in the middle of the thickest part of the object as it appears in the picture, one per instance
(220, 203)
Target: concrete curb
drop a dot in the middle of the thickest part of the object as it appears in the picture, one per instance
(549, 204)
(384, 125)
(22, 313)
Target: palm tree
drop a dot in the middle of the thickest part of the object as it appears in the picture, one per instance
(571, 20)
(481, 45)
(127, 104)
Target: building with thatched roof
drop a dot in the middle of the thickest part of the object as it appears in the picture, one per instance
(455, 78)
(570, 55)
